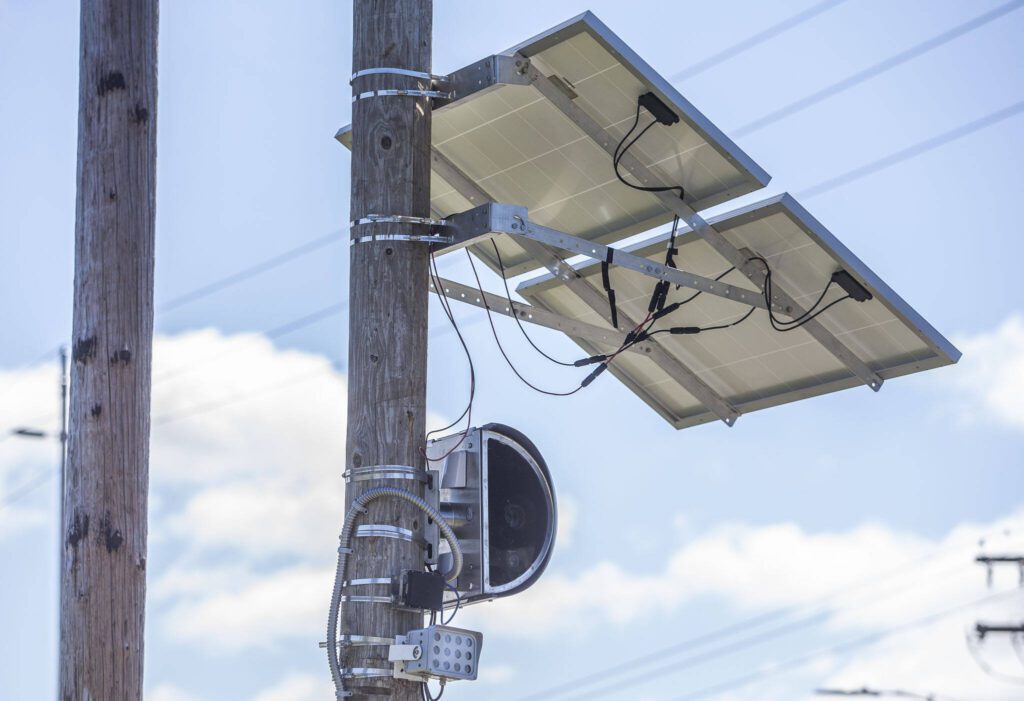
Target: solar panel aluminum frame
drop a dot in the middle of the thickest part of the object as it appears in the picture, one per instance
(942, 351)
(513, 68)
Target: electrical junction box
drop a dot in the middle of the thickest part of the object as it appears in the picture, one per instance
(419, 590)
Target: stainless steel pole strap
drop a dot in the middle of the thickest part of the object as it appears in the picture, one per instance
(431, 237)
(367, 473)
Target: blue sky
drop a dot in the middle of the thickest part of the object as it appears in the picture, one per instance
(666, 534)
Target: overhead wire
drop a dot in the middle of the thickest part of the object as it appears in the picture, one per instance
(878, 68)
(815, 618)
(754, 40)
(845, 646)
(810, 611)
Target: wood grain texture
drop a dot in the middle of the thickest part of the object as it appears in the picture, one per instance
(388, 322)
(103, 582)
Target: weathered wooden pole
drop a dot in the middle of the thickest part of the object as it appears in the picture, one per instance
(387, 356)
(103, 582)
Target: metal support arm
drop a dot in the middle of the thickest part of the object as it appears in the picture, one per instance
(492, 218)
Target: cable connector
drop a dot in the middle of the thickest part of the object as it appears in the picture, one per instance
(666, 310)
(593, 376)
(679, 330)
(590, 361)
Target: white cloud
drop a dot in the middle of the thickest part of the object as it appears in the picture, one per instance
(755, 568)
(169, 692)
(299, 687)
(30, 400)
(255, 610)
(991, 374)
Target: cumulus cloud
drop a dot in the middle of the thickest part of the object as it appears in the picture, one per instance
(30, 400)
(860, 579)
(248, 449)
(991, 374)
(298, 687)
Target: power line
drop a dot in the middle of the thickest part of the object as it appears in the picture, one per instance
(272, 333)
(754, 40)
(809, 621)
(818, 606)
(235, 398)
(25, 489)
(846, 646)
(251, 271)
(877, 69)
(913, 151)
(215, 286)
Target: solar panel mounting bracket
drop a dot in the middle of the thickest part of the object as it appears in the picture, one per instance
(498, 304)
(494, 217)
(484, 74)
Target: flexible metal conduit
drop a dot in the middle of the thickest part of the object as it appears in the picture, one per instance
(359, 507)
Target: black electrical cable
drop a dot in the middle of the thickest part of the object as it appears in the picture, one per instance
(458, 603)
(682, 330)
(512, 308)
(622, 148)
(783, 325)
(427, 696)
(494, 332)
(435, 278)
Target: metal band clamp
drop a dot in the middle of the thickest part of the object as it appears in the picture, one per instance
(365, 672)
(368, 599)
(379, 530)
(416, 238)
(400, 219)
(361, 640)
(367, 582)
(382, 472)
(392, 92)
(398, 71)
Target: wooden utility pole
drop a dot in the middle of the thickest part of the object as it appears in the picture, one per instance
(103, 582)
(387, 353)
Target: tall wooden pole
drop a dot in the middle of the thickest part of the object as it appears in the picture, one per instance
(387, 354)
(103, 581)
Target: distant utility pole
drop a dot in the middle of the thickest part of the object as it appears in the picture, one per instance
(388, 321)
(103, 583)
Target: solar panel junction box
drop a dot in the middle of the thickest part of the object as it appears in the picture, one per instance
(851, 286)
(419, 590)
(658, 109)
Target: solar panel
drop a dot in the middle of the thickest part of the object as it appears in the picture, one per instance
(502, 137)
(751, 366)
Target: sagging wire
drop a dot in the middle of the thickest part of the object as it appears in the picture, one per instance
(623, 148)
(458, 603)
(783, 325)
(467, 413)
(511, 307)
(494, 332)
(427, 696)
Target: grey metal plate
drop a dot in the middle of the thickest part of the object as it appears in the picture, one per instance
(751, 365)
(517, 147)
